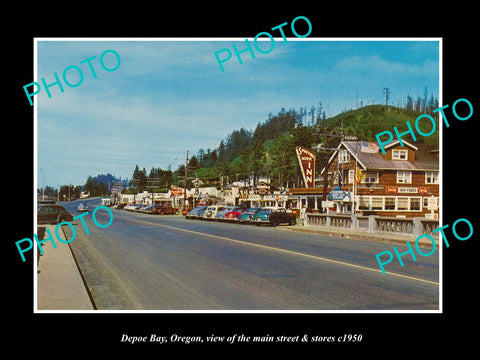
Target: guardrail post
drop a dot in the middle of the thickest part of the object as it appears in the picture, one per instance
(371, 223)
(354, 222)
(417, 226)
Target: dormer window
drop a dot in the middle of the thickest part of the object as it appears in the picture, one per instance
(399, 154)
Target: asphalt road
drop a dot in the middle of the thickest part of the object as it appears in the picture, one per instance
(148, 262)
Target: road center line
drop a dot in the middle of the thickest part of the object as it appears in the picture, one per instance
(288, 252)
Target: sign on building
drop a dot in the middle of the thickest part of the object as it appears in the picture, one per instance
(306, 159)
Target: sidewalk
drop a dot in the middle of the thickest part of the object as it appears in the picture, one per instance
(362, 235)
(59, 283)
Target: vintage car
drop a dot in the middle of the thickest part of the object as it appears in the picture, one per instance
(211, 211)
(196, 212)
(262, 216)
(233, 214)
(52, 213)
(82, 207)
(133, 207)
(164, 208)
(274, 216)
(281, 216)
(246, 216)
(222, 215)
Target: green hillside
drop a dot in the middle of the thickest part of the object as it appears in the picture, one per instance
(373, 119)
(269, 149)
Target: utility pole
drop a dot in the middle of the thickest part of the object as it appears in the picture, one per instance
(185, 183)
(328, 133)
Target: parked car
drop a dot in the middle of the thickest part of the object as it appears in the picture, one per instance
(197, 212)
(141, 208)
(222, 215)
(280, 216)
(165, 208)
(233, 214)
(145, 209)
(149, 209)
(262, 216)
(212, 210)
(51, 213)
(246, 216)
(133, 207)
(82, 207)
(120, 206)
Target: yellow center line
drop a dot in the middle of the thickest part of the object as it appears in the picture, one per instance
(289, 252)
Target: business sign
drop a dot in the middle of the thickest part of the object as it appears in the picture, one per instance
(337, 194)
(306, 159)
(432, 203)
(175, 191)
(407, 190)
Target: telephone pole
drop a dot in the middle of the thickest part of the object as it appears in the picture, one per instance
(328, 133)
(185, 183)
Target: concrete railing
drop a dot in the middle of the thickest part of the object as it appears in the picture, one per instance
(374, 224)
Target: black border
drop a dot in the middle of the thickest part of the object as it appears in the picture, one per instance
(91, 333)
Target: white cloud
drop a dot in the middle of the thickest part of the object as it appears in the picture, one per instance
(375, 63)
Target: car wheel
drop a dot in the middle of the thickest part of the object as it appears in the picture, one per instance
(274, 223)
(293, 222)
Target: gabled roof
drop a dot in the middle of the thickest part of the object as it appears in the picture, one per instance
(393, 143)
(425, 158)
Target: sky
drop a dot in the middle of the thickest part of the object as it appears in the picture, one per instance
(168, 96)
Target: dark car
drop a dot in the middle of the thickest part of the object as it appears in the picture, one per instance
(280, 216)
(164, 209)
(49, 214)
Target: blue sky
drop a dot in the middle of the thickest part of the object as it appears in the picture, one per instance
(168, 96)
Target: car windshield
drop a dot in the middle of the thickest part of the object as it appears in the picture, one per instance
(265, 211)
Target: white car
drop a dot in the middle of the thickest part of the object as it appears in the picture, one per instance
(133, 207)
(212, 210)
(82, 207)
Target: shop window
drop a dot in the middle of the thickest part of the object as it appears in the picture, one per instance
(425, 201)
(377, 203)
(364, 203)
(402, 203)
(389, 203)
(414, 203)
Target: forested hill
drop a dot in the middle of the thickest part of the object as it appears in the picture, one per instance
(364, 123)
(269, 149)
(370, 120)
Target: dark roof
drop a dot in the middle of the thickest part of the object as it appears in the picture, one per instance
(425, 158)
